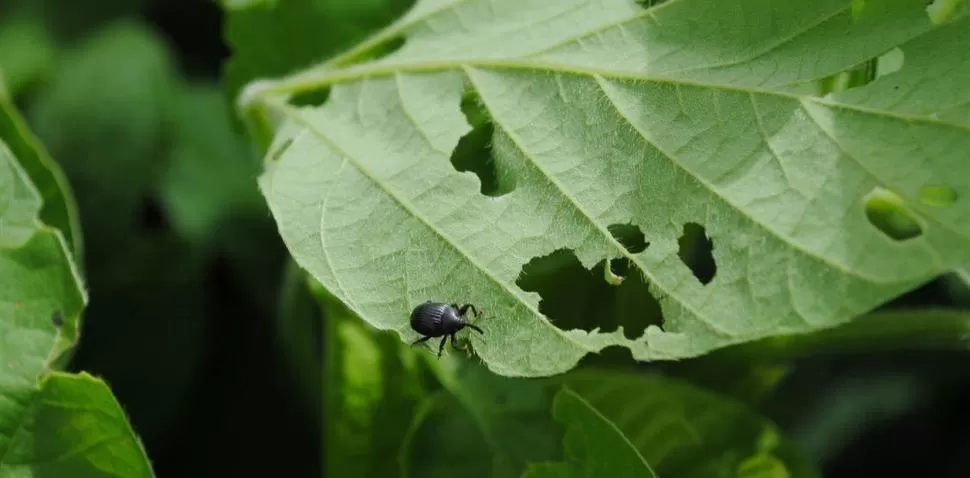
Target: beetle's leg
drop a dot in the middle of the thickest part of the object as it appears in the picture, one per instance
(441, 348)
(454, 342)
(463, 309)
(475, 328)
(422, 339)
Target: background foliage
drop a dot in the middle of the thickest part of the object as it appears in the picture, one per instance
(131, 216)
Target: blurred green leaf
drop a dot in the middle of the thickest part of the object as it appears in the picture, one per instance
(682, 430)
(488, 425)
(484, 425)
(373, 388)
(71, 19)
(886, 330)
(27, 50)
(212, 173)
(103, 118)
(56, 424)
(595, 447)
(75, 428)
(107, 116)
(841, 411)
(59, 209)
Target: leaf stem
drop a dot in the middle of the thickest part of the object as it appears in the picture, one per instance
(932, 329)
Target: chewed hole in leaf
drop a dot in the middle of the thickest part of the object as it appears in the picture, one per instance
(634, 241)
(574, 297)
(386, 48)
(649, 3)
(315, 97)
(473, 152)
(632, 238)
(938, 196)
(888, 213)
(696, 250)
(608, 357)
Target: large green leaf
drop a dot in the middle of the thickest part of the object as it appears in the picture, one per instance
(51, 424)
(608, 113)
(594, 446)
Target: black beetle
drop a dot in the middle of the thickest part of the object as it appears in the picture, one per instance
(437, 319)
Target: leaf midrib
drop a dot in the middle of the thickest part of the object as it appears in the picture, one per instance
(301, 84)
(401, 26)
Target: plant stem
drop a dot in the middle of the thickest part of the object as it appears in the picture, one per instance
(931, 329)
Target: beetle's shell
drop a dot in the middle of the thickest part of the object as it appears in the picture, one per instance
(435, 319)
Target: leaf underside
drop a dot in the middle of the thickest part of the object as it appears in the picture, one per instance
(604, 113)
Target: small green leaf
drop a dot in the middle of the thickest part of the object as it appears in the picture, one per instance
(59, 208)
(595, 447)
(74, 427)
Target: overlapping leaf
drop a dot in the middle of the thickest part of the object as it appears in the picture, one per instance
(609, 113)
(51, 424)
(682, 430)
(59, 208)
(596, 446)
